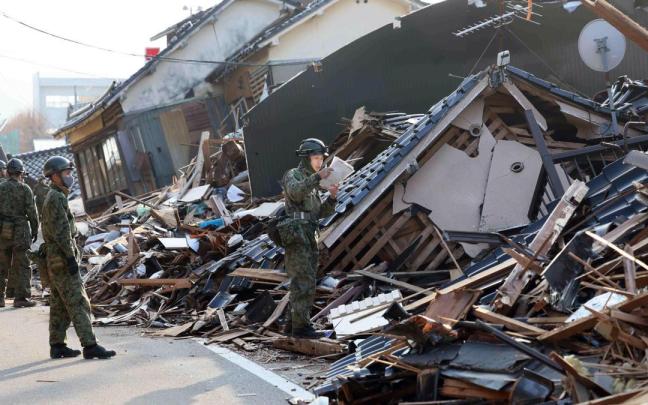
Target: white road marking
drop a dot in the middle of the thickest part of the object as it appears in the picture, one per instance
(278, 381)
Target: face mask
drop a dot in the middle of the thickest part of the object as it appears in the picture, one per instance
(68, 181)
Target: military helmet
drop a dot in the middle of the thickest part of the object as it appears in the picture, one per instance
(56, 164)
(3, 165)
(15, 166)
(312, 146)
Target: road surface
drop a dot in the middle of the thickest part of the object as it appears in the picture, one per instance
(145, 371)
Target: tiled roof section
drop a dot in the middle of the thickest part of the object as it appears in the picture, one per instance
(34, 162)
(556, 90)
(359, 184)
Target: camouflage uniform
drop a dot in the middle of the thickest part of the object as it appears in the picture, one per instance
(299, 238)
(18, 215)
(68, 300)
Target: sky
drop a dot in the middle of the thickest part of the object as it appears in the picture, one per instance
(124, 25)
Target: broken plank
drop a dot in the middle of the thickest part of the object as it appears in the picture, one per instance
(158, 282)
(226, 337)
(630, 272)
(384, 279)
(248, 347)
(515, 283)
(260, 274)
(588, 322)
(462, 389)
(474, 281)
(616, 249)
(222, 319)
(510, 323)
(175, 331)
(311, 347)
(278, 311)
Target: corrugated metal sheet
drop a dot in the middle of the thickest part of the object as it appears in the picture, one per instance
(407, 69)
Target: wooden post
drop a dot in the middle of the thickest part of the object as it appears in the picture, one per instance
(630, 272)
(628, 27)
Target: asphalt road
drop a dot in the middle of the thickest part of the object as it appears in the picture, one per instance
(145, 371)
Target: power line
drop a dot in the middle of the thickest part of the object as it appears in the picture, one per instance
(161, 58)
(31, 62)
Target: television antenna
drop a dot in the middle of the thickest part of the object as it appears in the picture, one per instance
(514, 9)
(602, 48)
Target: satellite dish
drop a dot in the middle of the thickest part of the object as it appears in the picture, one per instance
(601, 46)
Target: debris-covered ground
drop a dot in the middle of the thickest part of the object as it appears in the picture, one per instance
(492, 250)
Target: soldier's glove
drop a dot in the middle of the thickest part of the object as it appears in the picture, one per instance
(73, 266)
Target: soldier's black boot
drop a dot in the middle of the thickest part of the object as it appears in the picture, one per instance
(23, 303)
(307, 332)
(2, 301)
(60, 350)
(97, 352)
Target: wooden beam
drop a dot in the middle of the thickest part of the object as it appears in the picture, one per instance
(475, 281)
(627, 26)
(616, 249)
(588, 322)
(512, 288)
(311, 347)
(260, 274)
(384, 279)
(512, 324)
(630, 271)
(178, 283)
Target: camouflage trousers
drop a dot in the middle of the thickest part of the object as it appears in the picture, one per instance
(301, 262)
(14, 267)
(68, 304)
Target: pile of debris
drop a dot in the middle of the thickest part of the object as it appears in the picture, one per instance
(491, 250)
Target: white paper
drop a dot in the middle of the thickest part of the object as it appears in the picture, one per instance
(235, 194)
(195, 194)
(341, 170)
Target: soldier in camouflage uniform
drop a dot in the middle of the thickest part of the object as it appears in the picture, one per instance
(68, 300)
(3, 170)
(4, 273)
(19, 228)
(299, 230)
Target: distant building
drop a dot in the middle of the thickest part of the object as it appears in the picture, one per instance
(54, 97)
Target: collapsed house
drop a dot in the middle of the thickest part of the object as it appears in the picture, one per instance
(490, 251)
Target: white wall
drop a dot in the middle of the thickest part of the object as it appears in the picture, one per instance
(216, 40)
(340, 24)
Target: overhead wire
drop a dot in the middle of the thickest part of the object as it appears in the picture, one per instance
(139, 55)
(541, 60)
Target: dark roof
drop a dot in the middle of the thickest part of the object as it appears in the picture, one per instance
(253, 45)
(34, 162)
(110, 96)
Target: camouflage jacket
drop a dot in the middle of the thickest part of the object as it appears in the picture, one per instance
(301, 189)
(17, 206)
(58, 223)
(41, 189)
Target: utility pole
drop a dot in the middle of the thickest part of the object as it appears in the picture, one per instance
(626, 25)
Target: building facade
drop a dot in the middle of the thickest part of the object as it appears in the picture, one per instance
(55, 97)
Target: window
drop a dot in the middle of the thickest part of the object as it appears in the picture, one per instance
(102, 168)
(59, 101)
(85, 99)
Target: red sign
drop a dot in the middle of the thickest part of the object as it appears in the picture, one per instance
(151, 52)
